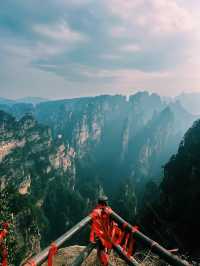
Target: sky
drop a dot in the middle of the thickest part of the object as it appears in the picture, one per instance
(72, 48)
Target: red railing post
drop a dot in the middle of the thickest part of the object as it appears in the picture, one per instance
(52, 252)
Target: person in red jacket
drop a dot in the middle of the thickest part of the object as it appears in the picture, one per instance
(100, 225)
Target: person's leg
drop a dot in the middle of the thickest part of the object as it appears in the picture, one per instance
(102, 254)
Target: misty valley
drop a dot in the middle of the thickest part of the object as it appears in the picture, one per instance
(58, 157)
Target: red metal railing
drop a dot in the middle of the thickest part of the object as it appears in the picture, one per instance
(108, 231)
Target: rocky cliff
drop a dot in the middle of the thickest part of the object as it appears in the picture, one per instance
(115, 138)
(37, 174)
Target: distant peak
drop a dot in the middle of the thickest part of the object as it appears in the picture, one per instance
(32, 100)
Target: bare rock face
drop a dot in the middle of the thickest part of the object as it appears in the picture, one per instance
(63, 158)
(24, 186)
(7, 147)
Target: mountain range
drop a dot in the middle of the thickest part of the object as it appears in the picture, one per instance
(190, 101)
(30, 100)
(57, 157)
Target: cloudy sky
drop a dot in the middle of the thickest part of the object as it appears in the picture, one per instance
(71, 48)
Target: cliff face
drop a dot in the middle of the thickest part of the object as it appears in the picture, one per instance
(30, 162)
(115, 138)
(26, 145)
(180, 198)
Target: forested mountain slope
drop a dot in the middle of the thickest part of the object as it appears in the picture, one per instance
(180, 198)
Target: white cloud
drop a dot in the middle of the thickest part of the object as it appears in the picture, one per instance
(121, 51)
(130, 48)
(59, 32)
(73, 2)
(38, 50)
(56, 39)
(122, 75)
(110, 56)
(153, 16)
(52, 40)
(118, 31)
